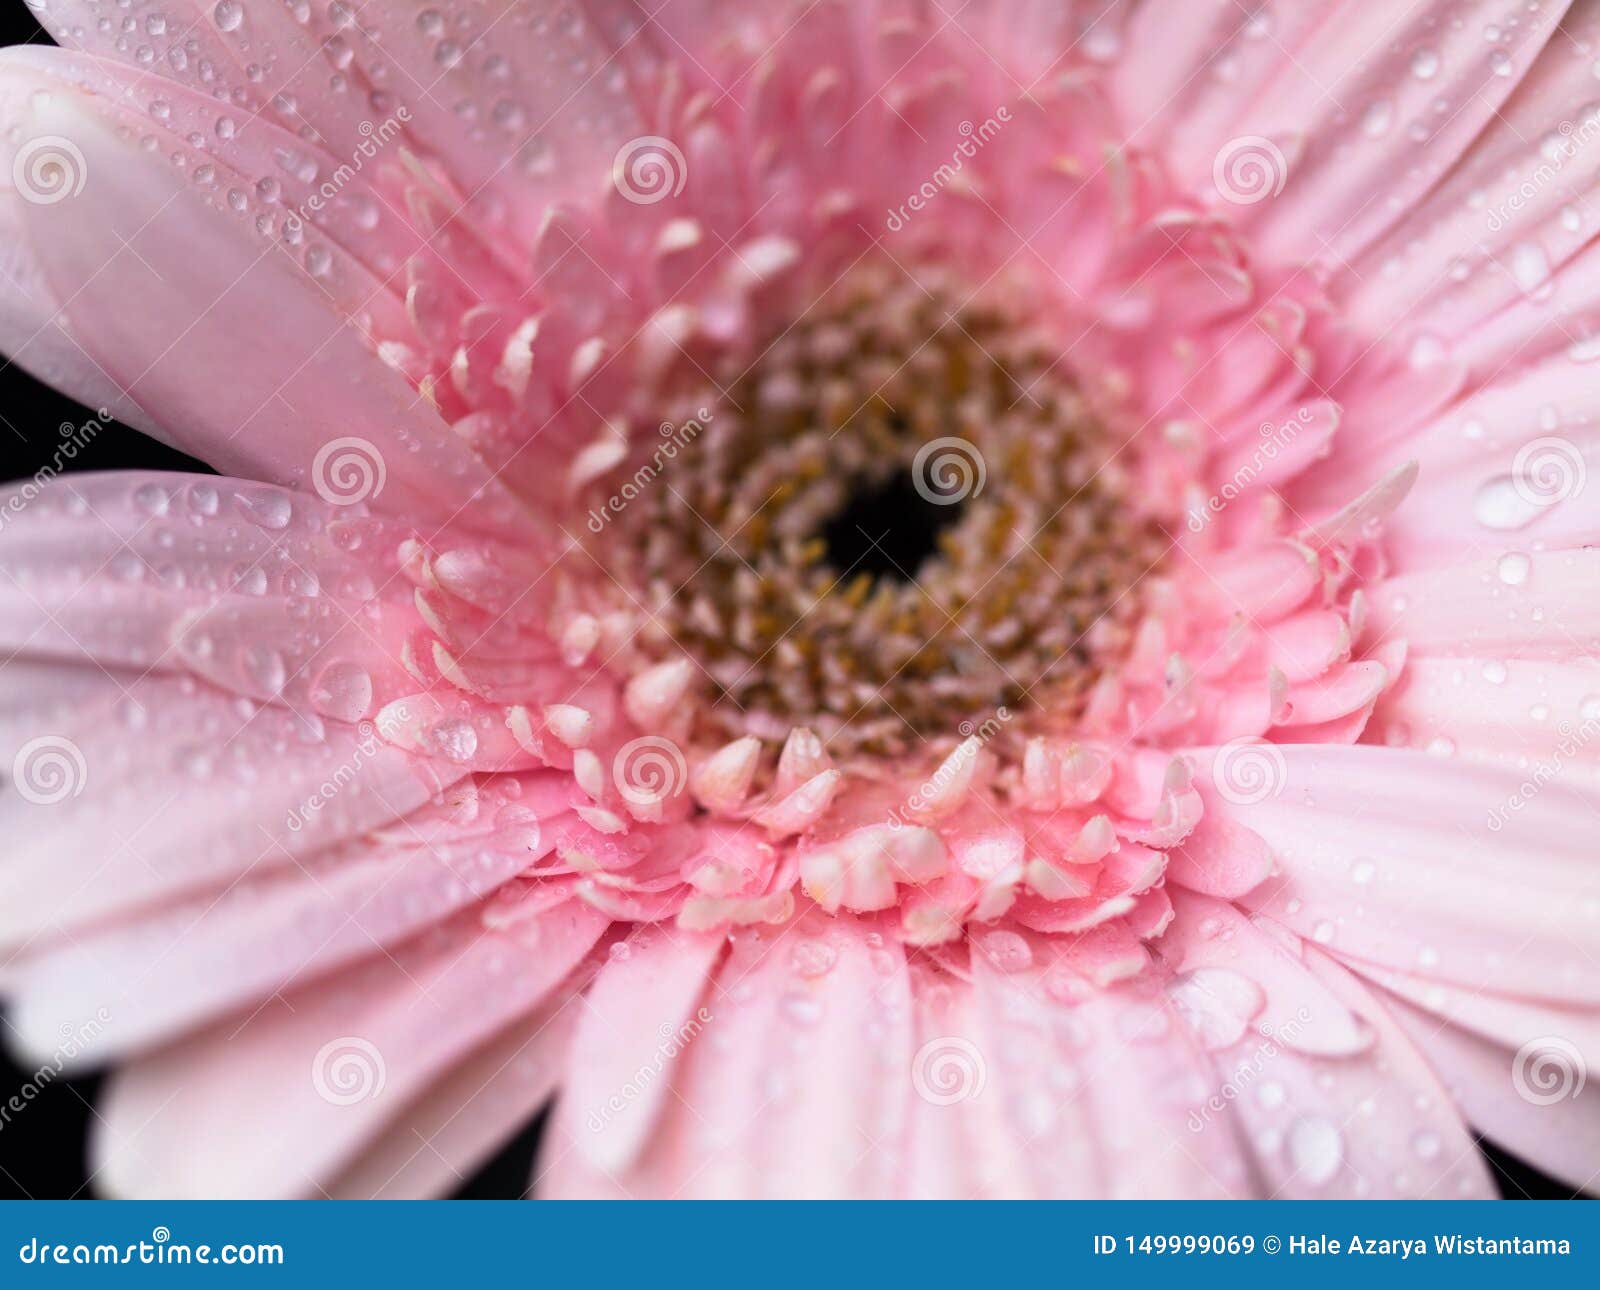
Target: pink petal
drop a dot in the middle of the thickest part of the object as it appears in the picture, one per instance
(1096, 1099)
(260, 402)
(779, 1093)
(325, 1069)
(436, 1143)
(1534, 717)
(1473, 610)
(179, 786)
(1553, 1123)
(1388, 856)
(272, 594)
(1376, 1123)
(162, 974)
(638, 1019)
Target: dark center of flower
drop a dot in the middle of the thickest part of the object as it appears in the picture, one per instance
(900, 515)
(887, 531)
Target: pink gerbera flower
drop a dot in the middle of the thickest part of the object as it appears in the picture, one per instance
(881, 598)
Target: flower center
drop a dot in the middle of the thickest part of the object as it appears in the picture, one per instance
(888, 531)
(899, 514)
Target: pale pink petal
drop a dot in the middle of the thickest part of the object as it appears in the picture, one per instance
(1491, 261)
(1373, 1124)
(1504, 469)
(532, 76)
(1097, 1098)
(252, 400)
(1350, 104)
(647, 1006)
(1532, 1100)
(165, 786)
(1537, 718)
(160, 974)
(327, 1068)
(434, 1145)
(274, 594)
(1389, 856)
(30, 330)
(796, 1086)
(960, 1145)
(1540, 607)
(1215, 938)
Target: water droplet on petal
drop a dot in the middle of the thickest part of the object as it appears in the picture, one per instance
(1007, 951)
(152, 499)
(1513, 568)
(813, 958)
(265, 668)
(454, 738)
(1316, 1150)
(1377, 119)
(1501, 506)
(801, 1008)
(343, 691)
(1530, 269)
(270, 508)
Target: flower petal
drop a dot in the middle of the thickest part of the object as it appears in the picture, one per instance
(257, 401)
(1388, 856)
(326, 1068)
(164, 786)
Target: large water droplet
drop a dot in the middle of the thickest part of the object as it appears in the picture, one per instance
(343, 691)
(1513, 568)
(813, 958)
(268, 507)
(1377, 119)
(1530, 269)
(1007, 951)
(455, 739)
(1424, 64)
(1501, 505)
(265, 668)
(1316, 1149)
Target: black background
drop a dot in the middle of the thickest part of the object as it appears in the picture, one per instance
(42, 1149)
